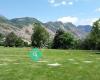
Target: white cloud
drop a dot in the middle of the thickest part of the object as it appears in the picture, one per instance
(88, 21)
(59, 4)
(77, 21)
(63, 2)
(97, 10)
(52, 1)
(70, 3)
(68, 19)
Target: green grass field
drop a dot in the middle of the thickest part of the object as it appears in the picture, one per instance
(15, 64)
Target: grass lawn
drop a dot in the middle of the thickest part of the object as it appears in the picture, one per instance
(15, 64)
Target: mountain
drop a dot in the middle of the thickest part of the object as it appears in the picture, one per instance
(22, 27)
(4, 19)
(25, 21)
(84, 28)
(68, 27)
(6, 26)
(53, 26)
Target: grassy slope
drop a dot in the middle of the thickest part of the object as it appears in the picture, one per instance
(15, 64)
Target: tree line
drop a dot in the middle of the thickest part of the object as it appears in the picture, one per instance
(62, 40)
(12, 40)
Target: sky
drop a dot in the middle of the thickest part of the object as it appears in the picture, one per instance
(79, 12)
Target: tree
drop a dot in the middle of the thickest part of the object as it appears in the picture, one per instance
(92, 41)
(1, 36)
(13, 41)
(10, 40)
(19, 42)
(87, 44)
(56, 41)
(63, 40)
(26, 44)
(40, 36)
(95, 34)
(1, 39)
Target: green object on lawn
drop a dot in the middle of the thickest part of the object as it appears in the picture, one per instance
(35, 54)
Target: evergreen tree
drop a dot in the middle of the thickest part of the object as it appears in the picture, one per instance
(56, 42)
(63, 40)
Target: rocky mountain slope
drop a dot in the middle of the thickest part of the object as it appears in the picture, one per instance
(84, 28)
(23, 27)
(68, 27)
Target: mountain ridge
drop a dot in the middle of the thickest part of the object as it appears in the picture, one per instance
(23, 27)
